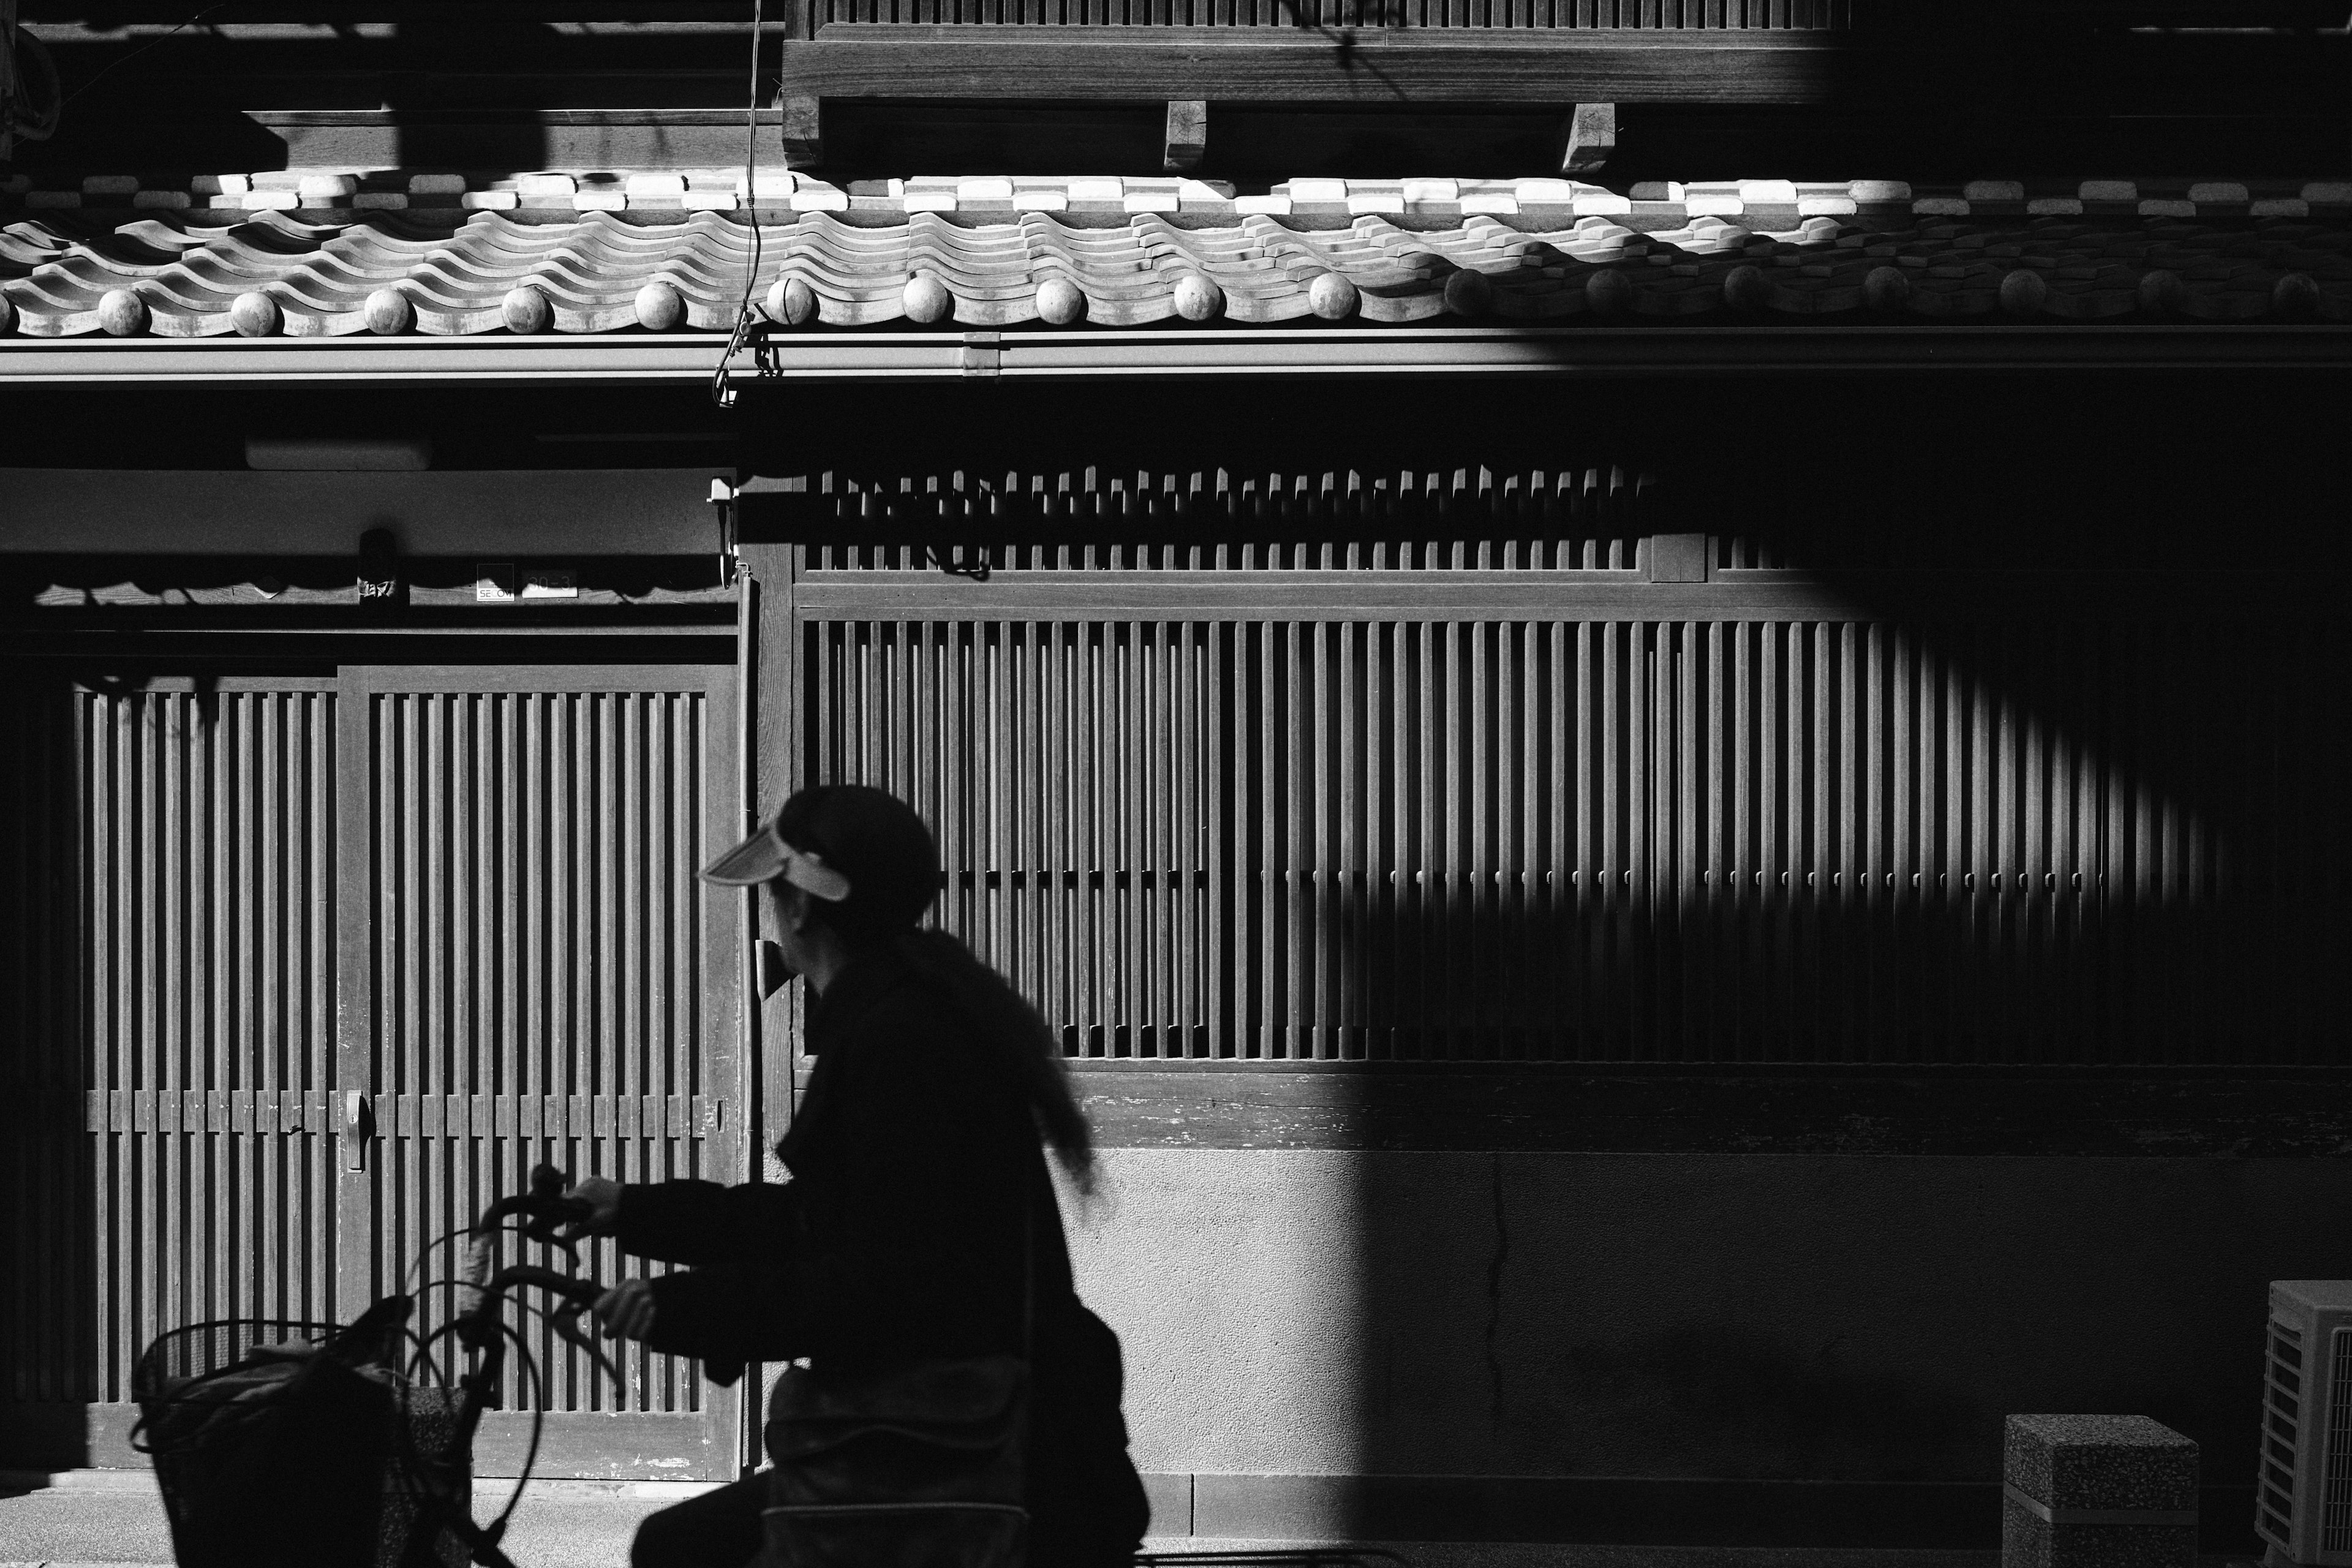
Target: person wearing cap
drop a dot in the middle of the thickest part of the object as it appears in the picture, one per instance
(920, 1221)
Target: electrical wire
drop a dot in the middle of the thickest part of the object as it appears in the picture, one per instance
(722, 392)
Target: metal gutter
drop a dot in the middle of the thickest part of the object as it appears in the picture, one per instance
(649, 358)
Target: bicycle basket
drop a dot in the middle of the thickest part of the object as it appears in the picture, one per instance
(277, 1441)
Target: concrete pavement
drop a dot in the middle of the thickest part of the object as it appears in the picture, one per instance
(114, 1519)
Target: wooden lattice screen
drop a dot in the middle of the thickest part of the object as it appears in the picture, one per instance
(311, 968)
(1451, 15)
(1216, 783)
(172, 891)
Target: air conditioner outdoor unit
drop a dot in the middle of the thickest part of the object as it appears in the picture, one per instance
(2302, 1497)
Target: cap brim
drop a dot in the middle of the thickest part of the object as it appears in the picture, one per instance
(764, 857)
(759, 859)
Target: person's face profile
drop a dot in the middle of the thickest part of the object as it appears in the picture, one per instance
(794, 924)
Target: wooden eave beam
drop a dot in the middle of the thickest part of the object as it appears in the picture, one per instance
(896, 60)
(1238, 352)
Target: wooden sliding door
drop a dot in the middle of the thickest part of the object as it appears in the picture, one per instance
(170, 870)
(534, 974)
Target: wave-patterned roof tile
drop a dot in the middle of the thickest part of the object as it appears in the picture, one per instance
(188, 274)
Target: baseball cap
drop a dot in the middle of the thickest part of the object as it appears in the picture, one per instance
(764, 857)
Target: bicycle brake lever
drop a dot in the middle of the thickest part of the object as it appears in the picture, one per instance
(568, 1329)
(576, 1296)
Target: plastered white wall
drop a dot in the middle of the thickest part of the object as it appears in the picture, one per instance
(1834, 1318)
(1233, 1280)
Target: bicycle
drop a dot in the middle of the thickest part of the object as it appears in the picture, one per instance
(327, 1444)
(352, 1445)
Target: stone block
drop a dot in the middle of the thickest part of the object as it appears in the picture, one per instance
(2098, 1491)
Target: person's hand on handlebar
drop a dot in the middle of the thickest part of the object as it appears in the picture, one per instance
(626, 1311)
(602, 1196)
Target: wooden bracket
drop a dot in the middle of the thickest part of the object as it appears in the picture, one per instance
(804, 130)
(1187, 140)
(983, 354)
(1676, 558)
(1590, 137)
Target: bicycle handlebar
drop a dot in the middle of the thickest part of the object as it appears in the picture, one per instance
(541, 1209)
(576, 1294)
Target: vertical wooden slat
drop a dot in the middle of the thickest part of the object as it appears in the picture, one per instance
(1383, 851)
(1058, 1000)
(1188, 830)
(1712, 985)
(1161, 849)
(1745, 904)
(268, 793)
(1778, 806)
(1648, 707)
(1088, 847)
(1561, 994)
(1474, 993)
(1121, 867)
(1312, 712)
(1426, 955)
(1291, 807)
(1219, 816)
(163, 950)
(1028, 792)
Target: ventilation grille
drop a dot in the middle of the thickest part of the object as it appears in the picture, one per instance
(1090, 521)
(2281, 1416)
(2335, 1519)
(1581, 16)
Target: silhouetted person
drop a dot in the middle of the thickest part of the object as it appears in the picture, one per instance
(921, 1223)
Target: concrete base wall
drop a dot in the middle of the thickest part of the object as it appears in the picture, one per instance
(1799, 1318)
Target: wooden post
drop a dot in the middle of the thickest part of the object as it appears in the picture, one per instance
(1187, 140)
(1590, 135)
(766, 512)
(804, 130)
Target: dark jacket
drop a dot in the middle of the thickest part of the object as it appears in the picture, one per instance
(920, 1223)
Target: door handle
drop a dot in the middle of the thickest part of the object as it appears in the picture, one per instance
(358, 1125)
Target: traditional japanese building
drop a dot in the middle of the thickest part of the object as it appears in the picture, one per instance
(1688, 837)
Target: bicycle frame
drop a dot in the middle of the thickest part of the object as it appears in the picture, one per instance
(482, 1333)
